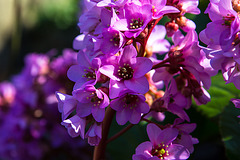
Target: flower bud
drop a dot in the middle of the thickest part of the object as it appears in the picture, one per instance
(171, 28)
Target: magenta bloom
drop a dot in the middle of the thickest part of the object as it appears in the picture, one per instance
(66, 104)
(92, 101)
(75, 126)
(128, 73)
(111, 3)
(94, 134)
(160, 145)
(222, 38)
(184, 138)
(136, 19)
(159, 8)
(129, 107)
(112, 41)
(85, 72)
(173, 101)
(156, 42)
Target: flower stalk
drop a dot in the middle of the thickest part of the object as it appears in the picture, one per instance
(99, 150)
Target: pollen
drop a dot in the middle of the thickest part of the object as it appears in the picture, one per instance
(135, 23)
(89, 74)
(115, 40)
(125, 72)
(162, 151)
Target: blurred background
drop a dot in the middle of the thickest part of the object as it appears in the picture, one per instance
(34, 26)
(28, 26)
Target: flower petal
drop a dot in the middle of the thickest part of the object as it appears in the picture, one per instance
(142, 66)
(84, 109)
(139, 85)
(177, 151)
(153, 132)
(167, 135)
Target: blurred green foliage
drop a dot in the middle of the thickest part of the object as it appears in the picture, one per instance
(63, 12)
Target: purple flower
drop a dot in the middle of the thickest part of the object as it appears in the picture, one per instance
(222, 38)
(159, 8)
(85, 72)
(184, 138)
(75, 126)
(129, 107)
(111, 3)
(66, 104)
(94, 134)
(160, 145)
(189, 6)
(113, 40)
(128, 72)
(61, 64)
(90, 20)
(92, 101)
(172, 101)
(135, 20)
(156, 42)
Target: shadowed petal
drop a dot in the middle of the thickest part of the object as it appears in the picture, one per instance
(142, 66)
(84, 109)
(153, 132)
(178, 152)
(139, 85)
(98, 113)
(167, 135)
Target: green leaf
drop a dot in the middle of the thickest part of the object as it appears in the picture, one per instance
(229, 125)
(221, 94)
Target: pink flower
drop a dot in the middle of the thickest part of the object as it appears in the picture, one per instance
(85, 72)
(66, 104)
(135, 20)
(128, 72)
(75, 126)
(94, 134)
(129, 106)
(160, 145)
(91, 101)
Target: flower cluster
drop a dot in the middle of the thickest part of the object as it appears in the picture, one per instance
(29, 122)
(126, 65)
(222, 39)
(118, 68)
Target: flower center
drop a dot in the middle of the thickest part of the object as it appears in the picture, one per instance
(136, 23)
(94, 99)
(115, 39)
(160, 151)
(228, 20)
(89, 74)
(130, 101)
(125, 72)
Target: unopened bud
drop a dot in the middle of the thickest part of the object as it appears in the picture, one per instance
(236, 5)
(171, 28)
(143, 34)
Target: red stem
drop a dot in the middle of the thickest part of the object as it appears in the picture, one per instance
(149, 121)
(161, 64)
(99, 150)
(144, 42)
